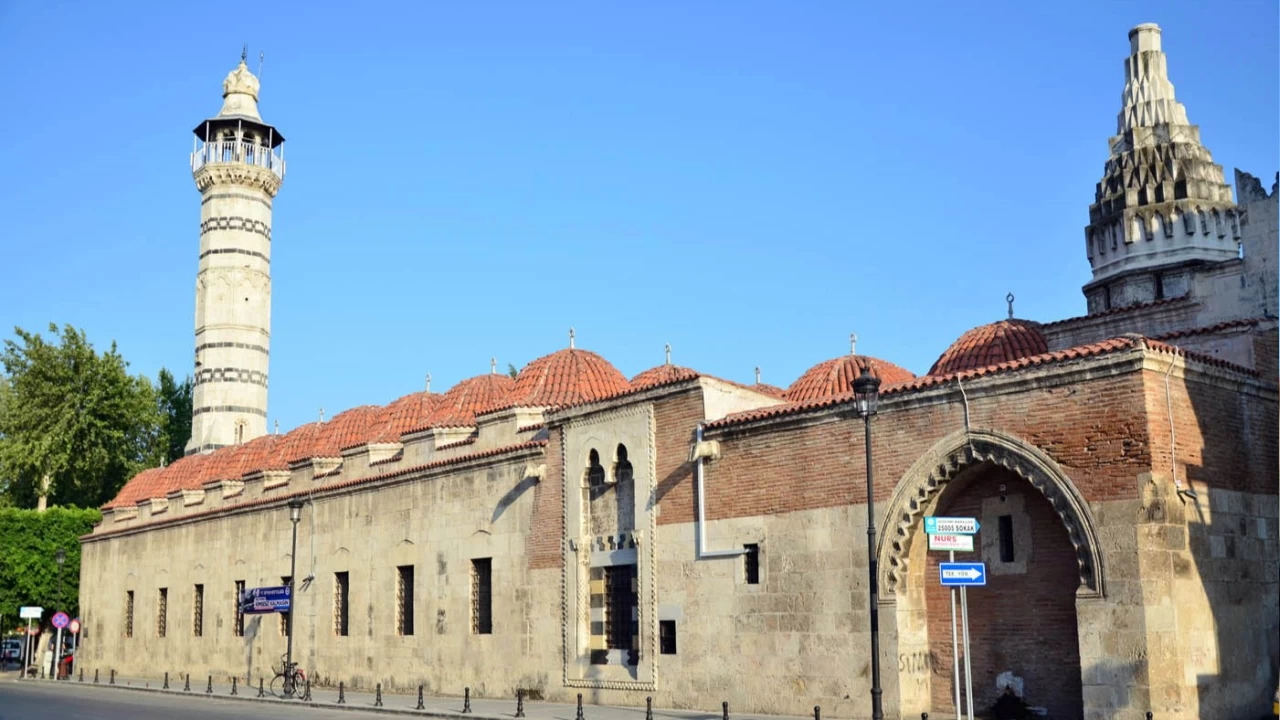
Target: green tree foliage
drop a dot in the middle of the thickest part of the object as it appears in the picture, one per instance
(175, 413)
(29, 543)
(512, 371)
(74, 416)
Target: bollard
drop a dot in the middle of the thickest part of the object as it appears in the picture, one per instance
(81, 674)
(924, 716)
(95, 676)
(187, 686)
(261, 692)
(1149, 715)
(579, 715)
(466, 700)
(377, 698)
(166, 680)
(648, 708)
(209, 688)
(420, 705)
(519, 702)
(113, 677)
(725, 706)
(233, 685)
(817, 712)
(342, 698)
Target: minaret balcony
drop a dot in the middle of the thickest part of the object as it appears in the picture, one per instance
(236, 152)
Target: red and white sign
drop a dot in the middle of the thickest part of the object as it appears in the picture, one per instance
(74, 627)
(951, 543)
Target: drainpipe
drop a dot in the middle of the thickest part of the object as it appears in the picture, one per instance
(1173, 433)
(701, 451)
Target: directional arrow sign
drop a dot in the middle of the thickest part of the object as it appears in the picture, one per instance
(958, 574)
(950, 526)
(953, 543)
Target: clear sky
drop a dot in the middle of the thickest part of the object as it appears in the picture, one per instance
(748, 181)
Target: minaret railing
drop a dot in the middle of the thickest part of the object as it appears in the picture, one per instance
(226, 152)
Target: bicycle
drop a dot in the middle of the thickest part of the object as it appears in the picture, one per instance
(287, 679)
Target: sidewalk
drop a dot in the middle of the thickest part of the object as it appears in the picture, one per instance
(433, 705)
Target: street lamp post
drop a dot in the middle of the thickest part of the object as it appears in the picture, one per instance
(61, 557)
(866, 391)
(295, 514)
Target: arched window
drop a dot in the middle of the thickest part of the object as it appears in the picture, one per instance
(239, 432)
(595, 471)
(622, 469)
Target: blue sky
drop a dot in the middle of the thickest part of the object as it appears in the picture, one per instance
(750, 182)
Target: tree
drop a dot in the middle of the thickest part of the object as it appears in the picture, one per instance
(174, 400)
(74, 424)
(511, 370)
(29, 572)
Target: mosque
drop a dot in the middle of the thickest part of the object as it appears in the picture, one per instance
(695, 540)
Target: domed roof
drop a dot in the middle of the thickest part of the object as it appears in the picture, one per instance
(836, 376)
(404, 414)
(992, 344)
(661, 375)
(459, 406)
(347, 429)
(566, 377)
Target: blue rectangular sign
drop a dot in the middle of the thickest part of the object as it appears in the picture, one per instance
(962, 574)
(265, 600)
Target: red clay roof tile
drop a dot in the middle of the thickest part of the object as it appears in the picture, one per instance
(459, 406)
(836, 376)
(662, 375)
(566, 377)
(992, 344)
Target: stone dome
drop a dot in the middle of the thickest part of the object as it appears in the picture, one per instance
(836, 376)
(992, 344)
(662, 375)
(566, 377)
(459, 406)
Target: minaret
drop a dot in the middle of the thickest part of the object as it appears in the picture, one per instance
(238, 172)
(1163, 207)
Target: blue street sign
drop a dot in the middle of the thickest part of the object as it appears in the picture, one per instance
(265, 600)
(950, 526)
(962, 574)
(61, 620)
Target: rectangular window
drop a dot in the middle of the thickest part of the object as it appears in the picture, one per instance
(239, 609)
(620, 606)
(128, 613)
(285, 618)
(667, 637)
(404, 600)
(482, 596)
(341, 597)
(751, 563)
(197, 612)
(1006, 538)
(162, 613)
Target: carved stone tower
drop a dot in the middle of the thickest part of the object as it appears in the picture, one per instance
(238, 172)
(1163, 208)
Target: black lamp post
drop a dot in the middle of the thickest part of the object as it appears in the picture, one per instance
(61, 557)
(866, 390)
(295, 514)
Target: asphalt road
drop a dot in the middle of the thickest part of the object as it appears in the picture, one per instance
(46, 701)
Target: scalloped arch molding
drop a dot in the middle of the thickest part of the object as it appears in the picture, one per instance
(919, 488)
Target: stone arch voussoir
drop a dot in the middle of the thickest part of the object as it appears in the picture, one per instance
(918, 491)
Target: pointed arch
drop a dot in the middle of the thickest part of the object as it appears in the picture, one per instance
(918, 491)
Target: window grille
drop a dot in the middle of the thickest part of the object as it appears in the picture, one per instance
(341, 597)
(620, 607)
(667, 637)
(162, 613)
(128, 613)
(404, 600)
(239, 610)
(481, 596)
(197, 612)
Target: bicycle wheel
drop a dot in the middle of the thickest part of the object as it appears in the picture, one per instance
(277, 685)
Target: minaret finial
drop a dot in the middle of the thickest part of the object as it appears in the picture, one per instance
(757, 374)
(277, 427)
(244, 53)
(853, 343)
(570, 338)
(668, 349)
(493, 366)
(1009, 299)
(321, 413)
(428, 382)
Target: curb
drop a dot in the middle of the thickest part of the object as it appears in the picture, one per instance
(293, 703)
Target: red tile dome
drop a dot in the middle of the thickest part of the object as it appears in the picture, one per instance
(662, 375)
(348, 428)
(403, 415)
(992, 344)
(459, 406)
(836, 376)
(566, 377)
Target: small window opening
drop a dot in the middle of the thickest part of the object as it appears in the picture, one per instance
(482, 596)
(1159, 286)
(128, 613)
(751, 563)
(667, 637)
(239, 609)
(197, 612)
(595, 471)
(341, 597)
(162, 613)
(622, 471)
(621, 600)
(404, 600)
(1006, 538)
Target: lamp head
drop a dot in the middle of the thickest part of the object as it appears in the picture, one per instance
(295, 510)
(61, 555)
(866, 391)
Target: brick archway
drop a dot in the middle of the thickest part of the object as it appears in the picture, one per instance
(920, 486)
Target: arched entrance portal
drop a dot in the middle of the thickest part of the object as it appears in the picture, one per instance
(1038, 542)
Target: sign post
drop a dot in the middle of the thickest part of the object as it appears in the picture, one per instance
(952, 534)
(60, 621)
(74, 629)
(29, 614)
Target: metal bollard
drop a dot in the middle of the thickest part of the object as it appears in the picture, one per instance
(817, 712)
(420, 705)
(466, 700)
(113, 677)
(924, 716)
(342, 698)
(377, 698)
(233, 685)
(579, 715)
(725, 706)
(166, 680)
(261, 692)
(187, 686)
(648, 708)
(95, 676)
(1149, 715)
(209, 688)
(81, 674)
(519, 702)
